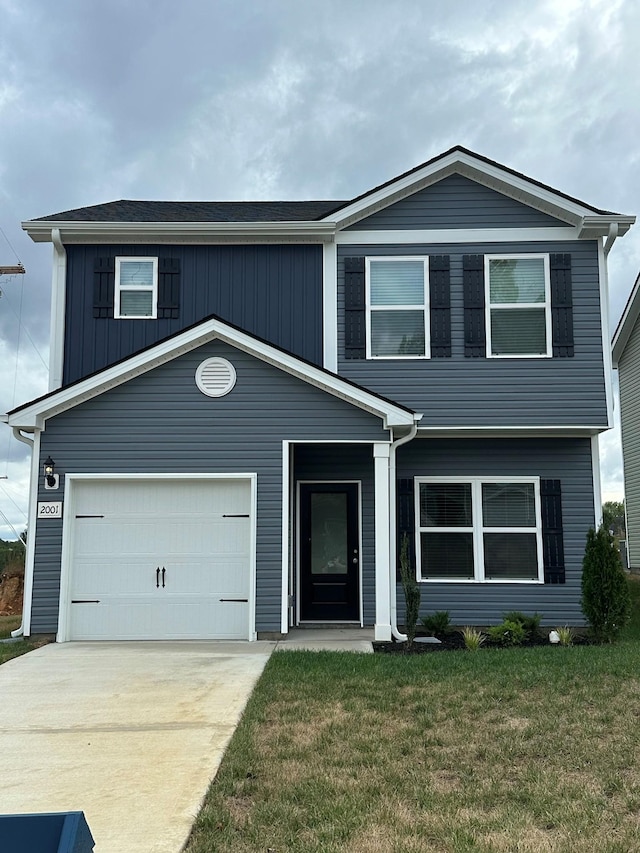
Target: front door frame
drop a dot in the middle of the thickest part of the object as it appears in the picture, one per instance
(358, 484)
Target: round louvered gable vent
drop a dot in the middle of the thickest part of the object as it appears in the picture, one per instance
(215, 377)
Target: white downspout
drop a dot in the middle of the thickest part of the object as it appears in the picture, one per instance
(31, 529)
(392, 528)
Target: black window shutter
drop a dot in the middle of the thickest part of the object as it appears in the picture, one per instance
(168, 288)
(474, 325)
(406, 524)
(561, 305)
(552, 537)
(355, 345)
(440, 306)
(104, 282)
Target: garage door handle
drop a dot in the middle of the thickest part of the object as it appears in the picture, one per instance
(89, 516)
(158, 578)
(236, 516)
(85, 601)
(163, 577)
(238, 600)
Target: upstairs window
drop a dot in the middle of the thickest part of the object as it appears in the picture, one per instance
(518, 306)
(479, 530)
(397, 307)
(136, 288)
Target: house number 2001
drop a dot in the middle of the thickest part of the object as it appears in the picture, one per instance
(50, 509)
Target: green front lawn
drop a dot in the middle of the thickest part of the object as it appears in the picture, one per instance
(502, 750)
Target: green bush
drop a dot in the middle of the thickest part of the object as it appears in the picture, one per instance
(507, 634)
(411, 591)
(531, 624)
(605, 592)
(438, 623)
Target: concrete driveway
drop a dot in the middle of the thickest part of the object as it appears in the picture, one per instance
(129, 733)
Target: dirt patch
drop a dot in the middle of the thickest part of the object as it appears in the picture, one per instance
(11, 592)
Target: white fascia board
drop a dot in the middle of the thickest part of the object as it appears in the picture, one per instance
(177, 232)
(458, 162)
(494, 431)
(627, 323)
(34, 415)
(456, 235)
(597, 225)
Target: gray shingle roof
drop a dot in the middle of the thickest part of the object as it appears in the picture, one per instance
(197, 211)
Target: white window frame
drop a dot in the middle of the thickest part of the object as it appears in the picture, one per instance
(478, 529)
(119, 288)
(424, 306)
(514, 305)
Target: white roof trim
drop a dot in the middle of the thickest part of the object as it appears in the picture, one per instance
(34, 415)
(176, 232)
(627, 322)
(492, 176)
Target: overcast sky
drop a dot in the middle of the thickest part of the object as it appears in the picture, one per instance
(295, 99)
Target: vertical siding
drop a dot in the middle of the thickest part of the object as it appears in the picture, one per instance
(274, 292)
(456, 202)
(494, 392)
(161, 423)
(347, 462)
(567, 459)
(629, 375)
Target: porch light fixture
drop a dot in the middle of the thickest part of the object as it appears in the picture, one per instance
(51, 479)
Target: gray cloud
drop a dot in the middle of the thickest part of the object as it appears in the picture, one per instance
(283, 99)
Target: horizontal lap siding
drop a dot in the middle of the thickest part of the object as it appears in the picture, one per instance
(347, 462)
(161, 423)
(274, 292)
(568, 460)
(456, 202)
(479, 391)
(629, 374)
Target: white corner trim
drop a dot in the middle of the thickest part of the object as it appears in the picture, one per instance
(456, 235)
(32, 533)
(626, 323)
(597, 480)
(603, 272)
(58, 305)
(286, 538)
(330, 307)
(381, 461)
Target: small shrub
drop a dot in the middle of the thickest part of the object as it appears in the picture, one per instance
(507, 634)
(531, 624)
(473, 638)
(566, 635)
(438, 623)
(411, 591)
(605, 593)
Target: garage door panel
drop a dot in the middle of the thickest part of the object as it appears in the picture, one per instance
(148, 526)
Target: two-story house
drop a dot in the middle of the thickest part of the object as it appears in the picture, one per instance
(252, 404)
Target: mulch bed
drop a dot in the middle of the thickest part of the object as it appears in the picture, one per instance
(452, 642)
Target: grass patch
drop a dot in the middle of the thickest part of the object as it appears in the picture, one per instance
(8, 651)
(525, 749)
(8, 624)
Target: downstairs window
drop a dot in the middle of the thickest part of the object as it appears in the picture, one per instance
(479, 530)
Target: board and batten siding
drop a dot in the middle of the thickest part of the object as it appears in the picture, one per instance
(456, 202)
(347, 462)
(271, 291)
(564, 459)
(161, 423)
(629, 376)
(459, 391)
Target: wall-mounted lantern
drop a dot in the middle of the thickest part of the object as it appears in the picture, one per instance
(51, 479)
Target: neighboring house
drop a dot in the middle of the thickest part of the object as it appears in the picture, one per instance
(252, 404)
(626, 357)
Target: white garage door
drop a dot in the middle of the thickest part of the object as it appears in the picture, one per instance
(160, 559)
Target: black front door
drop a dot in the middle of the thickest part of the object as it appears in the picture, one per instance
(329, 552)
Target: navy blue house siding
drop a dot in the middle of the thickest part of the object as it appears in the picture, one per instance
(271, 291)
(564, 459)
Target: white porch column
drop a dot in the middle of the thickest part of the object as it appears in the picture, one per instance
(381, 481)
